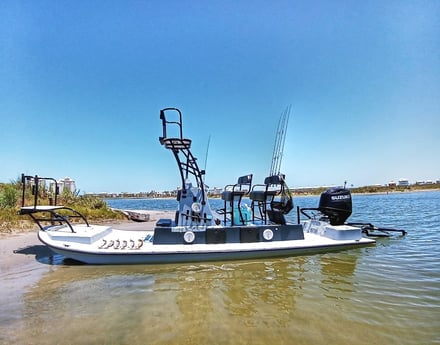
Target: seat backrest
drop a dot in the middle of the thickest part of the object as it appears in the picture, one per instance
(244, 183)
(282, 201)
(275, 179)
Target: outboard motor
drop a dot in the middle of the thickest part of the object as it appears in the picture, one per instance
(335, 203)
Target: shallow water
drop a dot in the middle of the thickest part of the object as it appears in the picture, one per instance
(385, 294)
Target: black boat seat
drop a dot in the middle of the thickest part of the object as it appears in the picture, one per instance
(241, 188)
(263, 196)
(233, 193)
(229, 195)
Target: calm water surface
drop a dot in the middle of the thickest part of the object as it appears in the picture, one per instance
(385, 294)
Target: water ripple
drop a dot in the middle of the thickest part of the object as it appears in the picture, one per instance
(384, 294)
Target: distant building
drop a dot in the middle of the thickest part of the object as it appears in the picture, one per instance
(392, 184)
(216, 191)
(403, 182)
(427, 182)
(67, 184)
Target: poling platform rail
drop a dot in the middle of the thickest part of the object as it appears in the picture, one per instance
(37, 211)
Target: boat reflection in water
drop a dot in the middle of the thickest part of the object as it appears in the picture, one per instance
(385, 294)
(240, 302)
(338, 272)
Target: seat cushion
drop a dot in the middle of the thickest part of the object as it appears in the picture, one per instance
(229, 195)
(261, 195)
(258, 195)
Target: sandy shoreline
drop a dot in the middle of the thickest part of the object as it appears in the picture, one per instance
(24, 261)
(22, 248)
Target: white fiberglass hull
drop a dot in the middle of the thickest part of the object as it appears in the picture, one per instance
(91, 245)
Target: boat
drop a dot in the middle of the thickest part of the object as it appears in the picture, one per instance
(196, 232)
(135, 215)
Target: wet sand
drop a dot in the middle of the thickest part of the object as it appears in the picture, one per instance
(24, 260)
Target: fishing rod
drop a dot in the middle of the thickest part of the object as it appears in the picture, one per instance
(206, 156)
(280, 140)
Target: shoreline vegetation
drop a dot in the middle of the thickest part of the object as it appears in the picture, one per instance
(95, 209)
(307, 191)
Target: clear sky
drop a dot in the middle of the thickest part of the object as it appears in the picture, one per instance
(82, 83)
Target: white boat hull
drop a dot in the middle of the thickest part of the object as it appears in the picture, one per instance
(89, 245)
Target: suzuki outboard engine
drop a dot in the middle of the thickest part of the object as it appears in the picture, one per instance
(335, 203)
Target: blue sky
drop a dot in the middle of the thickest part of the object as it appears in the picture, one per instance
(82, 83)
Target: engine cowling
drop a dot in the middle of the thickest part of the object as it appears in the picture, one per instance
(336, 204)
